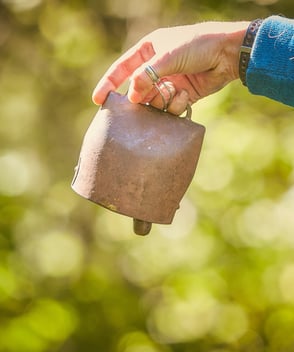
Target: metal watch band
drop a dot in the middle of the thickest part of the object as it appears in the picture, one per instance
(246, 47)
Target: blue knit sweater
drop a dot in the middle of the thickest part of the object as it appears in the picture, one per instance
(271, 67)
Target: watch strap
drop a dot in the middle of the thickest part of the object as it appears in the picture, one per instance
(246, 48)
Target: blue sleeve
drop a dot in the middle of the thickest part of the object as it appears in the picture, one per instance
(271, 66)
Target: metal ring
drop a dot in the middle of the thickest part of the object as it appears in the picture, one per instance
(152, 74)
(159, 85)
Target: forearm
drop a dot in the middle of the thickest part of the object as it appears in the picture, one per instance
(271, 67)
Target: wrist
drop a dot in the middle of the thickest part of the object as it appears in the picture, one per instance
(234, 40)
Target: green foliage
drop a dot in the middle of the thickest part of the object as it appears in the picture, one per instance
(73, 276)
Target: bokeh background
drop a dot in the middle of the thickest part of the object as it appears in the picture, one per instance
(73, 276)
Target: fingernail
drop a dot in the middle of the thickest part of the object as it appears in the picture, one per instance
(134, 97)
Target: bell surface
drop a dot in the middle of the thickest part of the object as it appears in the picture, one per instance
(137, 160)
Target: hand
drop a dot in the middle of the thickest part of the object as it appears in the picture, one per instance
(194, 60)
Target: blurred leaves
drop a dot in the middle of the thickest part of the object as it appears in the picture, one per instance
(73, 276)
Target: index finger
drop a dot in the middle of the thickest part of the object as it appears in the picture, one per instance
(122, 69)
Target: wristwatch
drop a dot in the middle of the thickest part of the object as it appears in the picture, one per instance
(246, 48)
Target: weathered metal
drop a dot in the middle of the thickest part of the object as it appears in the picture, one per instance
(138, 161)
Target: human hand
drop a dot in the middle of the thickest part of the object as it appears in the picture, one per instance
(193, 60)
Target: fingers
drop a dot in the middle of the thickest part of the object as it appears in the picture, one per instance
(142, 89)
(166, 91)
(132, 65)
(141, 84)
(178, 103)
(122, 69)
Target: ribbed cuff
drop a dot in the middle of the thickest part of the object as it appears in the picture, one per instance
(271, 67)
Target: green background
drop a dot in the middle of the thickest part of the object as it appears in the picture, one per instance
(73, 276)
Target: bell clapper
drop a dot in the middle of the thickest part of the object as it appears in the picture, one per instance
(141, 227)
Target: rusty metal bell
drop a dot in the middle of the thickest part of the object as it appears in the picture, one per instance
(138, 161)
